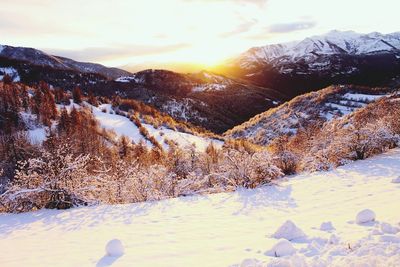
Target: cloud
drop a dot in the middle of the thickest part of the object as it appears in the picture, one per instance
(29, 26)
(107, 53)
(291, 27)
(241, 28)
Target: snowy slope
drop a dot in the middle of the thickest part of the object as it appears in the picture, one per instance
(225, 229)
(324, 105)
(122, 126)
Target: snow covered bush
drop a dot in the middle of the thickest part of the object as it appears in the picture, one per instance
(242, 168)
(283, 157)
(367, 140)
(157, 183)
(56, 179)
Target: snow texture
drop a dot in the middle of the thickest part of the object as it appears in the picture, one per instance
(223, 229)
(365, 216)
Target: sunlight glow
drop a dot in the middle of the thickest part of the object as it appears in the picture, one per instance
(199, 32)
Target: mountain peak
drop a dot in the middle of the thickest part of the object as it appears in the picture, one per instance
(309, 49)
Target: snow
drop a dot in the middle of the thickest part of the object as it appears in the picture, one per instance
(343, 109)
(1, 48)
(209, 87)
(326, 226)
(362, 97)
(389, 229)
(127, 79)
(35, 133)
(182, 139)
(396, 180)
(69, 107)
(390, 238)
(282, 248)
(114, 248)
(9, 71)
(224, 229)
(289, 231)
(183, 109)
(37, 136)
(365, 216)
(122, 126)
(310, 49)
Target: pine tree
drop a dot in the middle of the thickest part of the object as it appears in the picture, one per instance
(77, 95)
(64, 123)
(92, 99)
(7, 79)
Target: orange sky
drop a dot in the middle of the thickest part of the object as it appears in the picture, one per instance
(156, 33)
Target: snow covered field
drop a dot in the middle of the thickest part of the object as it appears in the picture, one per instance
(225, 229)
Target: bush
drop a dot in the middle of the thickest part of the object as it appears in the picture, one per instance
(54, 180)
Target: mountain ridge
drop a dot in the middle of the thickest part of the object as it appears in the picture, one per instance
(315, 62)
(40, 58)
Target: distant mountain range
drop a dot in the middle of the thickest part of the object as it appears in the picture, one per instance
(336, 57)
(259, 79)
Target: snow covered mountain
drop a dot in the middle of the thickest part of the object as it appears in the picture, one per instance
(228, 228)
(40, 58)
(311, 50)
(336, 57)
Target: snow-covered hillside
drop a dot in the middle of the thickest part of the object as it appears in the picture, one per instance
(122, 126)
(311, 49)
(226, 229)
(323, 105)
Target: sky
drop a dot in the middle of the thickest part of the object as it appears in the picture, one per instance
(177, 34)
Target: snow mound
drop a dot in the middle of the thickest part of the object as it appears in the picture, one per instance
(390, 239)
(326, 226)
(251, 263)
(376, 232)
(280, 263)
(365, 216)
(282, 248)
(389, 229)
(114, 248)
(288, 231)
(396, 180)
(334, 239)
